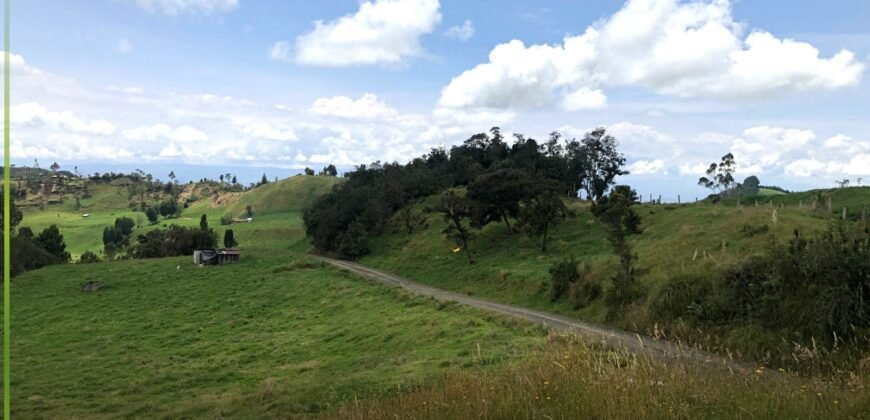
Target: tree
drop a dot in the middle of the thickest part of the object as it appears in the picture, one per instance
(54, 167)
(151, 213)
(309, 171)
(234, 180)
(720, 177)
(620, 220)
(330, 170)
(249, 211)
(124, 225)
(498, 194)
(353, 242)
(221, 178)
(457, 211)
(264, 180)
(203, 222)
(843, 183)
(229, 239)
(541, 210)
(169, 208)
(51, 240)
(172, 176)
(599, 162)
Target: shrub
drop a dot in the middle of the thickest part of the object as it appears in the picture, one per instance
(563, 273)
(353, 243)
(226, 219)
(88, 258)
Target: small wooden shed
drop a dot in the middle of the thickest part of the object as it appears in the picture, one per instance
(217, 256)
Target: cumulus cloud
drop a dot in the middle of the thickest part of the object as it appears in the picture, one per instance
(380, 32)
(33, 114)
(684, 49)
(191, 7)
(646, 167)
(367, 106)
(462, 32)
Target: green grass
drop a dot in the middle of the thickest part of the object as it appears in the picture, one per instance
(276, 335)
(676, 240)
(286, 197)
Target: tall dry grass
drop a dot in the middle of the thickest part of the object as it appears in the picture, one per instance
(573, 380)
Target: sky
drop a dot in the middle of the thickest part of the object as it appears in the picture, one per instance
(204, 87)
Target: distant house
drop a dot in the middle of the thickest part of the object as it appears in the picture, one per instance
(217, 256)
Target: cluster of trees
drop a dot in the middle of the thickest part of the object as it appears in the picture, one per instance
(29, 251)
(116, 238)
(173, 241)
(524, 181)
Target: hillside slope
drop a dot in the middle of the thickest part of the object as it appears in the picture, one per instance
(110, 201)
(676, 240)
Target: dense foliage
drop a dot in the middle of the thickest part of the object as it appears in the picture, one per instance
(500, 179)
(173, 241)
(816, 288)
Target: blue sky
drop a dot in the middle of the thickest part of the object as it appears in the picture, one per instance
(260, 86)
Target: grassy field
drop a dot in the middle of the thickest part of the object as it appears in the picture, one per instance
(275, 336)
(281, 335)
(108, 202)
(511, 268)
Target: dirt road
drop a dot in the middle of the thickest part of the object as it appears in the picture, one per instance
(612, 337)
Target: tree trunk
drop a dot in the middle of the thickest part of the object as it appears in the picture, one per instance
(544, 242)
(504, 217)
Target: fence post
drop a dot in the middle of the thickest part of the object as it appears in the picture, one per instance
(678, 199)
(800, 204)
(829, 204)
(844, 213)
(660, 198)
(756, 202)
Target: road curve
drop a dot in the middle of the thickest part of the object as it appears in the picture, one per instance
(615, 338)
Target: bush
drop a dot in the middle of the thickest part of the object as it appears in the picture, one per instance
(226, 219)
(174, 241)
(353, 243)
(563, 274)
(812, 288)
(88, 258)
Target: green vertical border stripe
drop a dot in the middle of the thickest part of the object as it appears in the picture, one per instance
(7, 271)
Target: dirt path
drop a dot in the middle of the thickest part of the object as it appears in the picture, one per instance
(612, 337)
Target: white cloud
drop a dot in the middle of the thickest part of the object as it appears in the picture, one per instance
(646, 167)
(367, 106)
(380, 32)
(184, 134)
(33, 114)
(462, 32)
(684, 49)
(267, 131)
(583, 99)
(192, 7)
(765, 147)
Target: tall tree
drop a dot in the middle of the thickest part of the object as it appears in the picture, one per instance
(542, 209)
(499, 194)
(720, 177)
(229, 239)
(203, 222)
(51, 240)
(602, 163)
